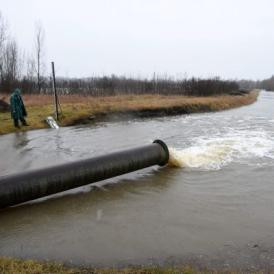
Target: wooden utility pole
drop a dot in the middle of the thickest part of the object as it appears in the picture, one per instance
(54, 90)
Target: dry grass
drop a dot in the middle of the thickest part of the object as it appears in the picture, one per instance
(76, 108)
(17, 266)
(14, 266)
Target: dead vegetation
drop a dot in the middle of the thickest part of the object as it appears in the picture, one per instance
(4, 106)
(14, 266)
(78, 109)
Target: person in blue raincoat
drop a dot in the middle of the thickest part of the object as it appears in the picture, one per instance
(18, 110)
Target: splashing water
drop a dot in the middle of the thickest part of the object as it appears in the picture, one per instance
(204, 158)
(214, 153)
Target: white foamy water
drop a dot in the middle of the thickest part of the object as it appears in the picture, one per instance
(215, 152)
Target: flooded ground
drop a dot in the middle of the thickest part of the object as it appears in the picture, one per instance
(215, 209)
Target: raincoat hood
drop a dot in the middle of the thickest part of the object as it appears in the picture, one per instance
(17, 91)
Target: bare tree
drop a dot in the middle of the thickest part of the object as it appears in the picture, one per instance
(3, 28)
(10, 66)
(3, 37)
(39, 53)
(30, 68)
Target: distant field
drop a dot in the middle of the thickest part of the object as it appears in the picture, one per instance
(81, 109)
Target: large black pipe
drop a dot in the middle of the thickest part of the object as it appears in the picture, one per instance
(30, 185)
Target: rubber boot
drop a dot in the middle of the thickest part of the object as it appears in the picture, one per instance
(24, 123)
(16, 124)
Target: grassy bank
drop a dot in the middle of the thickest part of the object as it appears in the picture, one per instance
(79, 109)
(14, 266)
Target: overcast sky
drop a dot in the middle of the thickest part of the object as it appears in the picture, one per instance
(228, 38)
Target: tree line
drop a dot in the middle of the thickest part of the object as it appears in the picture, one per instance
(267, 84)
(117, 85)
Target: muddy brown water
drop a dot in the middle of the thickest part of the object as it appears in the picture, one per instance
(215, 209)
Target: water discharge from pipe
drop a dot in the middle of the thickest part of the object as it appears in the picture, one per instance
(211, 159)
(215, 153)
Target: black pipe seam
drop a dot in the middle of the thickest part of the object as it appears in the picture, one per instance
(30, 185)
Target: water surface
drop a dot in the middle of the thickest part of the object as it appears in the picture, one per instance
(215, 209)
